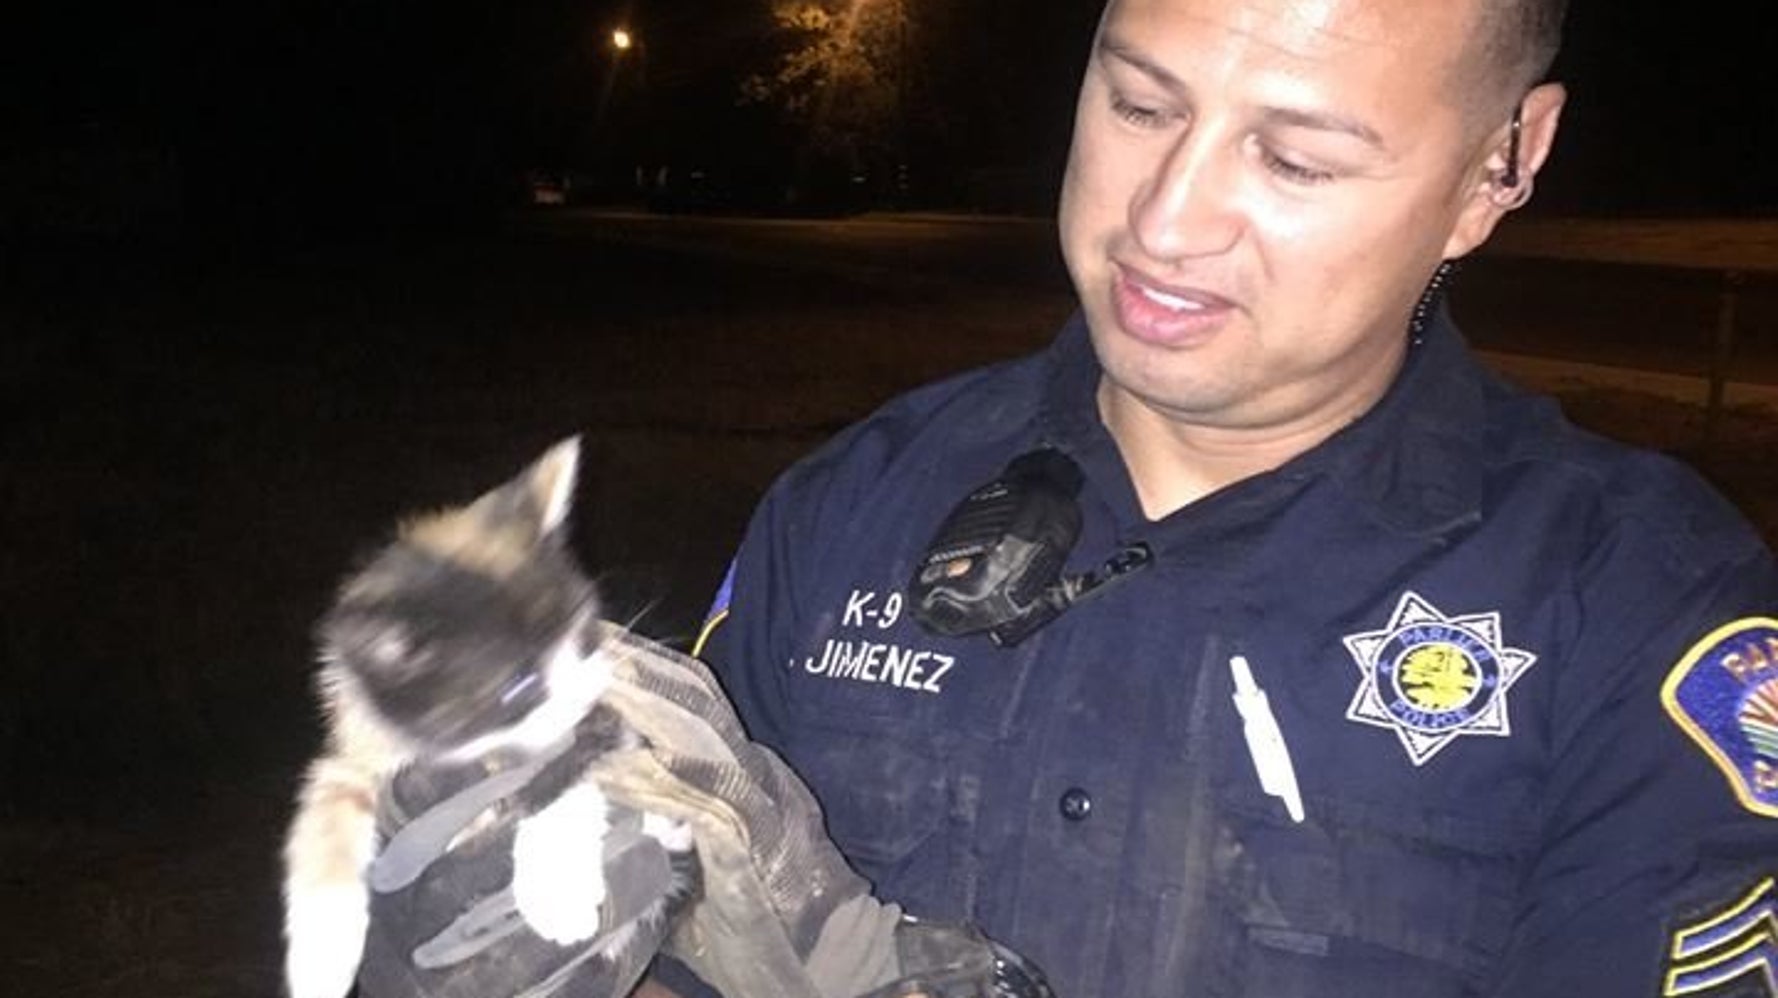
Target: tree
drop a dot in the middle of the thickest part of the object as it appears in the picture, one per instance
(840, 75)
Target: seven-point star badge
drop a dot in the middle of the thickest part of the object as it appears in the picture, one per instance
(1430, 677)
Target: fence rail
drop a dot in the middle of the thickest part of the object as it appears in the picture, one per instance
(1733, 248)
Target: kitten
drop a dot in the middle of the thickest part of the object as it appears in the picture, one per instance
(461, 672)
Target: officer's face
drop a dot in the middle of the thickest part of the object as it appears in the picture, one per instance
(1258, 191)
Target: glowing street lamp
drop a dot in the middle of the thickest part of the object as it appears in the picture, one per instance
(622, 40)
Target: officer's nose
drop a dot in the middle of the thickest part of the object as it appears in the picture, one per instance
(1187, 206)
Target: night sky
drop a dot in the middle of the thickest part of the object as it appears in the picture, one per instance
(273, 110)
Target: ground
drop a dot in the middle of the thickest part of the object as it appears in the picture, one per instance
(198, 443)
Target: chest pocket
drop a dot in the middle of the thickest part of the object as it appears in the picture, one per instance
(885, 797)
(882, 800)
(881, 721)
(1366, 900)
(864, 736)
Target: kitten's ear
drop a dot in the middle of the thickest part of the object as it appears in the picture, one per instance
(499, 531)
(550, 484)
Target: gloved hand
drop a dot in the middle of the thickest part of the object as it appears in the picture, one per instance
(782, 913)
(447, 922)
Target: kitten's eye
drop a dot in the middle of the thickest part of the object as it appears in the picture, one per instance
(389, 647)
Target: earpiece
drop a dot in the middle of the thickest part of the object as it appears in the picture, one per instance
(1511, 187)
(1510, 178)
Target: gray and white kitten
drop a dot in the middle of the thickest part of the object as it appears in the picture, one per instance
(471, 643)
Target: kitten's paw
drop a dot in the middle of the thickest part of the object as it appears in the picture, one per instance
(674, 836)
(558, 866)
(324, 928)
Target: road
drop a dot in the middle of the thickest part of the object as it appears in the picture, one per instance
(1660, 319)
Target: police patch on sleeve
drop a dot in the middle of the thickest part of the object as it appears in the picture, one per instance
(1724, 693)
(718, 611)
(1431, 677)
(1732, 951)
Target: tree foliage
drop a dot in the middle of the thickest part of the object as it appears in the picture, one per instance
(839, 74)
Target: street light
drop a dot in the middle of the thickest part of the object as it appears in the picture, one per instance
(628, 68)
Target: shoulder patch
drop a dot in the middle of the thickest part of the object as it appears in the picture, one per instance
(1737, 945)
(1724, 694)
(718, 612)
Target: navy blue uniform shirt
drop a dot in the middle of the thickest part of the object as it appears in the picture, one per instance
(1518, 669)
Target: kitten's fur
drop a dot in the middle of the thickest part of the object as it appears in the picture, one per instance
(472, 635)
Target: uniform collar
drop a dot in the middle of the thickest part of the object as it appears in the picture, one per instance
(1415, 459)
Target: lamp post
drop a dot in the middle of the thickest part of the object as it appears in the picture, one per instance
(629, 71)
(627, 46)
(889, 42)
(903, 84)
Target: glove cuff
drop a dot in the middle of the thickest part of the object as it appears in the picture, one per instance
(858, 948)
(940, 960)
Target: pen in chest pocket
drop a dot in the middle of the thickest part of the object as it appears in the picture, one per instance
(1265, 740)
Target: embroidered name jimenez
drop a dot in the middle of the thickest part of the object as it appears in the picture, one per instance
(917, 669)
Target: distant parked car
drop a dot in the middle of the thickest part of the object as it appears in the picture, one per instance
(679, 190)
(549, 188)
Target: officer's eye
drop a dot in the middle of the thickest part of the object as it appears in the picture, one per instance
(1139, 115)
(1293, 172)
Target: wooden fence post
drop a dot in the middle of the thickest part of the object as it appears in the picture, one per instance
(1723, 354)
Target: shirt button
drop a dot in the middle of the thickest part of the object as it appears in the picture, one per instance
(1075, 804)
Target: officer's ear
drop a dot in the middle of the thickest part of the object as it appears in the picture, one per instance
(1504, 179)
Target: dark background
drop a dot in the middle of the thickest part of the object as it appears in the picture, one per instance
(268, 118)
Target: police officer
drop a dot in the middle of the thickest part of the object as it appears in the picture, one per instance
(1414, 689)
(1251, 640)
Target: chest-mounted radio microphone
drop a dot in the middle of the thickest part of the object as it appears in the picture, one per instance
(995, 564)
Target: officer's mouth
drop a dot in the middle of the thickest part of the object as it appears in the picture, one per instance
(1165, 314)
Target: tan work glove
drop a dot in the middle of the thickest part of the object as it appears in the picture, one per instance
(782, 913)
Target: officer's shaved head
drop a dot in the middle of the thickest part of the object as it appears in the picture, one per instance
(1516, 43)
